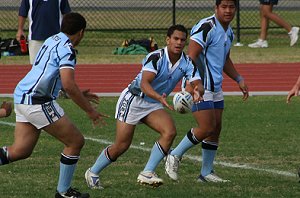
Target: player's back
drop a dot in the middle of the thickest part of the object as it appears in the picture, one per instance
(42, 83)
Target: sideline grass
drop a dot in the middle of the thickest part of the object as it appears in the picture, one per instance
(262, 132)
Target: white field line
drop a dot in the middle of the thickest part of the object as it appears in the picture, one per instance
(191, 157)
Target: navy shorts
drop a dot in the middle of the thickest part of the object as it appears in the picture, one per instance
(205, 105)
(268, 2)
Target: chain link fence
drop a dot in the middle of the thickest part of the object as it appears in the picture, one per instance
(110, 21)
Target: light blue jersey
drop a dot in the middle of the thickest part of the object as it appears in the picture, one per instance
(167, 76)
(42, 83)
(216, 44)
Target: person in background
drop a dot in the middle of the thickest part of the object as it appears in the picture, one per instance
(143, 101)
(36, 107)
(266, 15)
(44, 19)
(209, 48)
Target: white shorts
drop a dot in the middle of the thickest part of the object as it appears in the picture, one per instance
(131, 109)
(34, 47)
(213, 96)
(39, 115)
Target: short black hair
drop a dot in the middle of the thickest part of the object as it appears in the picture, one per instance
(72, 23)
(178, 27)
(218, 2)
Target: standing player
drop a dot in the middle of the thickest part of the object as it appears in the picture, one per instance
(44, 18)
(36, 108)
(143, 101)
(209, 48)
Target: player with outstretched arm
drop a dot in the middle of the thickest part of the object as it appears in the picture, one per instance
(143, 101)
(36, 107)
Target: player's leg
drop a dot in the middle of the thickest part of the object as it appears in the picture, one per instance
(25, 139)
(54, 122)
(66, 132)
(123, 139)
(124, 135)
(209, 150)
(161, 122)
(205, 117)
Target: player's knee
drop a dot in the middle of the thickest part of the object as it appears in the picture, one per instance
(77, 142)
(169, 135)
(116, 150)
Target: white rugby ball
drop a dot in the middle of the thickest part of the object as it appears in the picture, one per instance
(183, 102)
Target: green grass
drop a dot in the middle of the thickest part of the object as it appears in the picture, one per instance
(261, 133)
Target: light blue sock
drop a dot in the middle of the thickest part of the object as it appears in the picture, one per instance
(67, 169)
(186, 143)
(102, 162)
(157, 154)
(208, 156)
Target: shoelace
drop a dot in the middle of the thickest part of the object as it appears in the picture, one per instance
(175, 165)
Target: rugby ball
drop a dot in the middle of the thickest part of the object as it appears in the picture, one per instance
(183, 102)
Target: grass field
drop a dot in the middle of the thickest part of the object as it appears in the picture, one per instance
(259, 153)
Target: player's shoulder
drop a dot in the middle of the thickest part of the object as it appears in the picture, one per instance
(205, 25)
(154, 56)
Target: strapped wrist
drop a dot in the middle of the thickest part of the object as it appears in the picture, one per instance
(239, 78)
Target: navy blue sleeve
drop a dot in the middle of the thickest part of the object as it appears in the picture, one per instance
(65, 7)
(24, 7)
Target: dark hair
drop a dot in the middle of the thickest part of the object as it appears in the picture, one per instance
(218, 2)
(178, 27)
(72, 23)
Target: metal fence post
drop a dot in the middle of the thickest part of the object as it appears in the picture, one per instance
(238, 27)
(174, 12)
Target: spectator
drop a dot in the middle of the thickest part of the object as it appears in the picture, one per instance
(266, 14)
(44, 17)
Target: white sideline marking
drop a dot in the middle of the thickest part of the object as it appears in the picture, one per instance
(198, 158)
(191, 157)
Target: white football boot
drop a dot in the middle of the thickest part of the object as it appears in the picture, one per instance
(171, 166)
(149, 178)
(92, 180)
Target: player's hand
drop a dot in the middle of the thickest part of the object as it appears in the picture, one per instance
(97, 118)
(93, 98)
(7, 107)
(163, 101)
(293, 92)
(198, 93)
(244, 89)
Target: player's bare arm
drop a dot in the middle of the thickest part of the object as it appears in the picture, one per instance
(70, 86)
(232, 73)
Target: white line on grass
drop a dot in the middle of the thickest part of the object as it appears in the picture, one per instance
(191, 157)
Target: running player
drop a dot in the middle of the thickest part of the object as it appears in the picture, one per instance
(143, 101)
(36, 108)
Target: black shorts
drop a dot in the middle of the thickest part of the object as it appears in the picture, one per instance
(268, 2)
